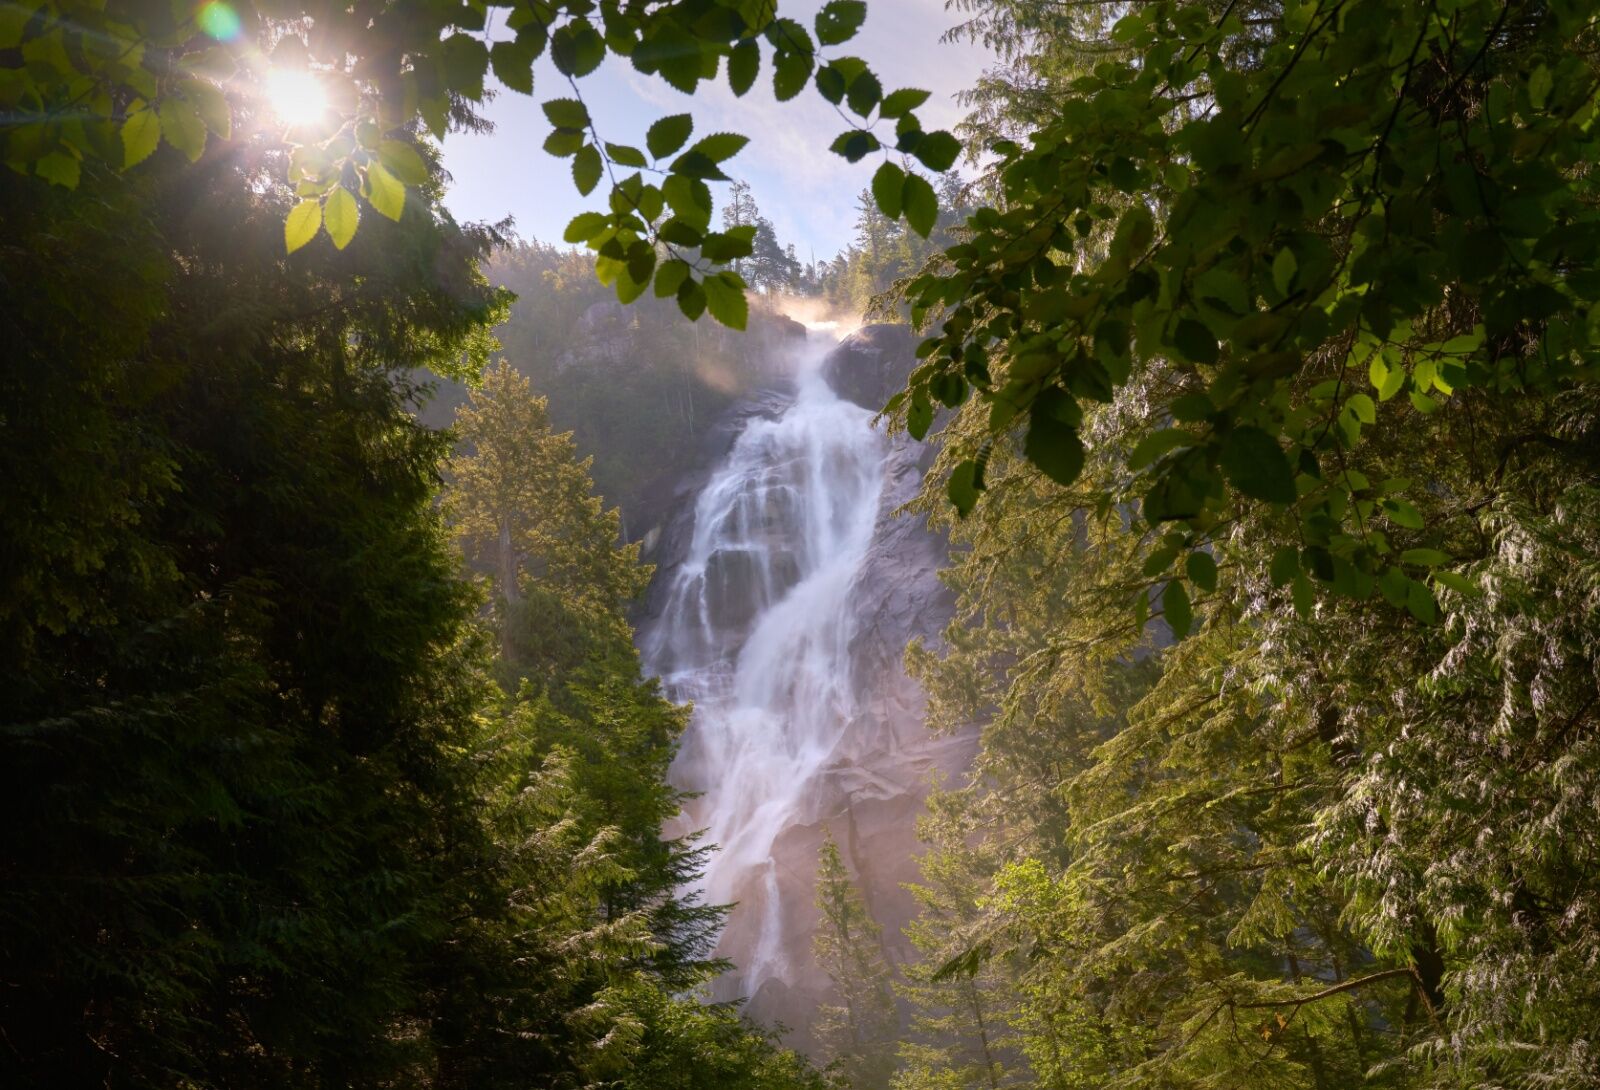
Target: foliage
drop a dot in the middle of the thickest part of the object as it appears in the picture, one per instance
(857, 1031)
(114, 84)
(1275, 220)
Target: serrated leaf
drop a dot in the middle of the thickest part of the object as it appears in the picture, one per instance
(887, 185)
(141, 133)
(720, 146)
(1175, 608)
(670, 276)
(1052, 444)
(566, 113)
(1427, 558)
(790, 72)
(586, 169)
(920, 204)
(1254, 464)
(584, 226)
(1285, 565)
(182, 127)
(1419, 601)
(340, 216)
(899, 103)
(726, 300)
(855, 145)
(385, 192)
(623, 155)
(1361, 406)
(1153, 446)
(1304, 597)
(1194, 341)
(513, 65)
(1284, 266)
(966, 481)
(403, 161)
(744, 64)
(668, 135)
(691, 299)
(937, 151)
(839, 20)
(301, 226)
(1202, 571)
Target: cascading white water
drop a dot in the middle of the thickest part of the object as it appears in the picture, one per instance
(757, 632)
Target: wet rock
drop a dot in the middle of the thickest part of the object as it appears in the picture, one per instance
(872, 364)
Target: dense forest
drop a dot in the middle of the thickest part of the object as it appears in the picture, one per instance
(1258, 358)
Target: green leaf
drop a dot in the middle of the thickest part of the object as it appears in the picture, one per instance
(901, 102)
(919, 416)
(182, 127)
(585, 225)
(1153, 446)
(920, 204)
(888, 184)
(301, 226)
(1401, 513)
(586, 169)
(340, 216)
(937, 151)
(726, 300)
(839, 20)
(1194, 341)
(623, 155)
(513, 65)
(668, 135)
(966, 481)
(1285, 565)
(1202, 570)
(1419, 600)
(1176, 609)
(1255, 465)
(1361, 405)
(670, 276)
(58, 168)
(855, 145)
(140, 135)
(403, 161)
(1458, 583)
(567, 113)
(1052, 444)
(744, 63)
(790, 71)
(464, 60)
(1427, 558)
(577, 49)
(1284, 266)
(1304, 597)
(385, 192)
(691, 299)
(721, 145)
(864, 93)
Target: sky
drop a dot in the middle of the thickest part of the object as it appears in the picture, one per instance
(808, 192)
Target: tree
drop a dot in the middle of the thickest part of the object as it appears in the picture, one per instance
(857, 1032)
(521, 506)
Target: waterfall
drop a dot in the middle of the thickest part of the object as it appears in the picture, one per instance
(757, 631)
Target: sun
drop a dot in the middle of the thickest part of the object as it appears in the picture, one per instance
(296, 97)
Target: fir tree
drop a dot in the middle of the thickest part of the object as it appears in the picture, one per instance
(857, 1031)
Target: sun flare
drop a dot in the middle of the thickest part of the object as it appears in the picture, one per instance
(296, 97)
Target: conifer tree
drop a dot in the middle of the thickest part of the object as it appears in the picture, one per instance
(858, 1030)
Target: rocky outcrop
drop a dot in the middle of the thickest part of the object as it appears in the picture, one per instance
(871, 365)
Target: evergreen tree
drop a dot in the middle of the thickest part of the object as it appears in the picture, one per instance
(857, 1031)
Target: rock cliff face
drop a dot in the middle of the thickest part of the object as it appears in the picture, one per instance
(732, 615)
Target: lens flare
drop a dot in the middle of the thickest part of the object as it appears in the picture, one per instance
(219, 20)
(296, 97)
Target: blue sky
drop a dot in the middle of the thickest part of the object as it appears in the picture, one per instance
(806, 190)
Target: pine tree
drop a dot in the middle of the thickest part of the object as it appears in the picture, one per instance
(857, 1031)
